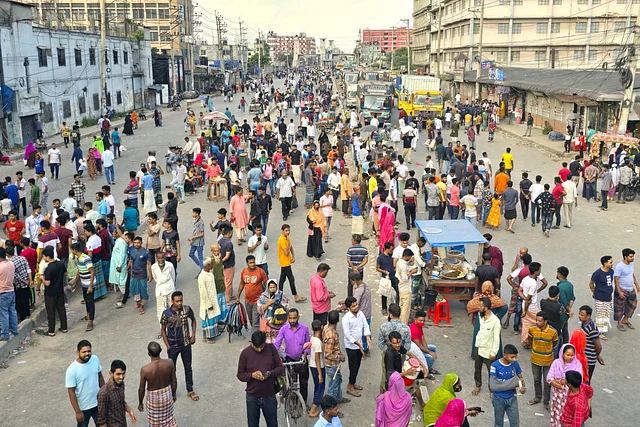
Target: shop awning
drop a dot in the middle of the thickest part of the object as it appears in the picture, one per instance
(157, 88)
(444, 233)
(579, 100)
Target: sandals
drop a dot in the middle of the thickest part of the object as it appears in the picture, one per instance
(629, 325)
(603, 337)
(357, 387)
(193, 396)
(621, 327)
(354, 393)
(534, 402)
(142, 312)
(475, 391)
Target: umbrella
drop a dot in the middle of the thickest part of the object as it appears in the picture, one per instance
(369, 128)
(236, 320)
(406, 129)
(216, 115)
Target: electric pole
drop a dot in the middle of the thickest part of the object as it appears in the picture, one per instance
(480, 49)
(627, 99)
(103, 50)
(408, 47)
(243, 49)
(259, 53)
(221, 28)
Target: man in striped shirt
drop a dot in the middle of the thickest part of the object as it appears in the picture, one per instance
(357, 258)
(542, 338)
(196, 241)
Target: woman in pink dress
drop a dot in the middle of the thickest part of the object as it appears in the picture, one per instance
(239, 217)
(387, 222)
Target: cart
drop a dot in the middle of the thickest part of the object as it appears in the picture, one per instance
(255, 107)
(324, 125)
(444, 236)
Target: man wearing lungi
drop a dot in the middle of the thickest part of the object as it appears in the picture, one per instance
(159, 379)
(601, 285)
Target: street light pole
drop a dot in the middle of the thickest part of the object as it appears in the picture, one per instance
(627, 99)
(480, 50)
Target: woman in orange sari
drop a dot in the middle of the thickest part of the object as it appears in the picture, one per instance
(134, 119)
(317, 229)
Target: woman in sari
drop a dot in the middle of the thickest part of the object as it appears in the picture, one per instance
(566, 361)
(209, 308)
(270, 300)
(191, 121)
(387, 221)
(217, 268)
(91, 164)
(393, 407)
(317, 229)
(498, 307)
(239, 218)
(134, 119)
(97, 157)
(440, 398)
(454, 415)
(30, 155)
(127, 129)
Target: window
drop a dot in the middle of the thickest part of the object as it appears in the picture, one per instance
(165, 34)
(125, 57)
(42, 57)
(108, 99)
(62, 60)
(153, 35)
(66, 109)
(501, 56)
(555, 27)
(595, 1)
(616, 54)
(622, 2)
(541, 55)
(504, 2)
(476, 28)
(503, 28)
(516, 28)
(578, 55)
(619, 27)
(515, 56)
(583, 1)
(78, 14)
(593, 55)
(151, 14)
(595, 27)
(541, 27)
(557, 2)
(47, 112)
(543, 2)
(455, 6)
(517, 2)
(118, 97)
(581, 27)
(82, 106)
(138, 14)
(163, 13)
(92, 56)
(115, 57)
(96, 101)
(78, 57)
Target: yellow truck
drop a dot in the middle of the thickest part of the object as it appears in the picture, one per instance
(419, 94)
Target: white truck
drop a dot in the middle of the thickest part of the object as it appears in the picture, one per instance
(351, 98)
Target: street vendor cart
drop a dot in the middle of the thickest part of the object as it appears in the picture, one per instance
(448, 270)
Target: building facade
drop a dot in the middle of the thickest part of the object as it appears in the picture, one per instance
(525, 33)
(57, 78)
(421, 46)
(389, 39)
(170, 23)
(300, 44)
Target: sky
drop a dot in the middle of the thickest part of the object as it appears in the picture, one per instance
(337, 20)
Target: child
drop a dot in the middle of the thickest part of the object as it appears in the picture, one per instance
(39, 164)
(316, 363)
(222, 223)
(578, 407)
(5, 203)
(362, 293)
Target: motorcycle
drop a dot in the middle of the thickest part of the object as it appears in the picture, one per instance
(632, 190)
(173, 154)
(110, 113)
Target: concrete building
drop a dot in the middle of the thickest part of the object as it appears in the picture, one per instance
(55, 74)
(421, 46)
(290, 45)
(170, 24)
(524, 33)
(388, 39)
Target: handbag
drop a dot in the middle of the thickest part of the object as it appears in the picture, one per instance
(279, 382)
(232, 219)
(385, 289)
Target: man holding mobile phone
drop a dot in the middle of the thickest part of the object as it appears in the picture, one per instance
(258, 245)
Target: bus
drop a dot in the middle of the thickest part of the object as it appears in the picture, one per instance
(350, 78)
(376, 100)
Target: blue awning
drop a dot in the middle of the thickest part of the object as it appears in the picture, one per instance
(444, 233)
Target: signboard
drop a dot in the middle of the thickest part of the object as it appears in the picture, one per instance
(496, 74)
(486, 64)
(377, 89)
(458, 76)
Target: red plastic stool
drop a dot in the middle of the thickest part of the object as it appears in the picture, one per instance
(440, 312)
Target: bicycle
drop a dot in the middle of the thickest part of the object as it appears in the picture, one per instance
(294, 408)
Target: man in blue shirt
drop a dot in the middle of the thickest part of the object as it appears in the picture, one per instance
(129, 217)
(12, 193)
(504, 378)
(329, 415)
(115, 139)
(83, 380)
(103, 209)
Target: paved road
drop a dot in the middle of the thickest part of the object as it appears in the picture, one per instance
(124, 334)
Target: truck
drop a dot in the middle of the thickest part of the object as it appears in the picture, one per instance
(350, 78)
(351, 98)
(419, 94)
(375, 100)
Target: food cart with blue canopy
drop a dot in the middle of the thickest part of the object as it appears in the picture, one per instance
(448, 272)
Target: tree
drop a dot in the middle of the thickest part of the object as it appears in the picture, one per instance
(399, 57)
(265, 57)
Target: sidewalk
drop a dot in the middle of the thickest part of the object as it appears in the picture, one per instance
(537, 139)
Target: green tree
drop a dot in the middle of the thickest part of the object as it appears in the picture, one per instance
(265, 56)
(399, 58)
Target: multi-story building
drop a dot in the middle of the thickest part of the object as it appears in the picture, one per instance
(58, 75)
(287, 45)
(389, 39)
(170, 23)
(421, 34)
(527, 33)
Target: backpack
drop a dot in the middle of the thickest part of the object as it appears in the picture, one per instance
(279, 313)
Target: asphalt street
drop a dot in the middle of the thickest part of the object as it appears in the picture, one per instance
(32, 384)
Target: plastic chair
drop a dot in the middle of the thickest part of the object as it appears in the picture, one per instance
(440, 312)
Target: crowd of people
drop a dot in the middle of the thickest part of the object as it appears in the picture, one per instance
(123, 249)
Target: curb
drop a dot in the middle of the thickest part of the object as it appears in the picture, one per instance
(557, 152)
(25, 327)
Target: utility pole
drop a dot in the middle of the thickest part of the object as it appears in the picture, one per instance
(393, 40)
(627, 99)
(103, 50)
(438, 73)
(480, 49)
(408, 47)
(221, 28)
(259, 54)
(243, 49)
(174, 80)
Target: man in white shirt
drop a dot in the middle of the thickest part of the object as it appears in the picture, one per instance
(107, 163)
(395, 137)
(362, 154)
(22, 195)
(528, 291)
(458, 98)
(535, 190)
(69, 204)
(568, 201)
(437, 122)
(32, 225)
(487, 342)
(487, 163)
(285, 189)
(304, 123)
(291, 132)
(326, 205)
(109, 199)
(374, 122)
(53, 156)
(258, 245)
(178, 179)
(165, 277)
(447, 118)
(354, 327)
(333, 181)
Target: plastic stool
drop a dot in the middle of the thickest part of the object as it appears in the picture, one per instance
(440, 312)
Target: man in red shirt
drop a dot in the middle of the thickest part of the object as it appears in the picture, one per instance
(320, 296)
(254, 281)
(14, 229)
(65, 235)
(564, 173)
(418, 338)
(577, 409)
(31, 256)
(558, 193)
